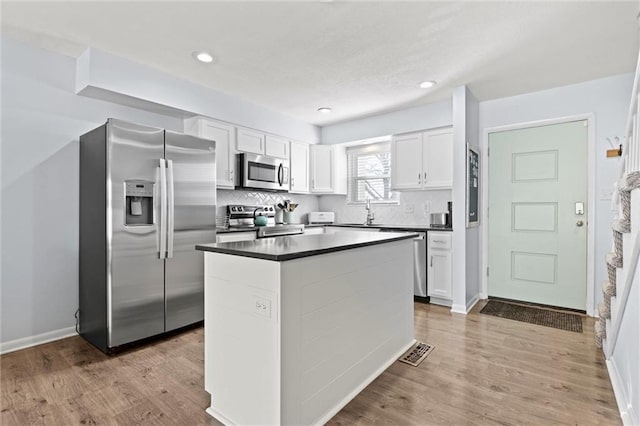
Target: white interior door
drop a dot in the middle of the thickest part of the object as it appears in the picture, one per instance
(537, 235)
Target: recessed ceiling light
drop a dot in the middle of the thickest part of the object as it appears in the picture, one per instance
(324, 110)
(427, 84)
(205, 57)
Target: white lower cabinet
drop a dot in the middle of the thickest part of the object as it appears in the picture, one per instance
(439, 267)
(235, 236)
(225, 137)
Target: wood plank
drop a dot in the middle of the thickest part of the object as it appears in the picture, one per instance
(484, 370)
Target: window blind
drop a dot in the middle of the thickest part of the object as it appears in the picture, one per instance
(369, 173)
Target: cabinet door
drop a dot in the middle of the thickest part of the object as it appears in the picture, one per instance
(299, 165)
(322, 168)
(277, 147)
(439, 268)
(224, 135)
(250, 141)
(437, 159)
(406, 161)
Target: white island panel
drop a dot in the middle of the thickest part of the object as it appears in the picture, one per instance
(337, 321)
(242, 341)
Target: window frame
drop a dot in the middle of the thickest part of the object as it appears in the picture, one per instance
(368, 149)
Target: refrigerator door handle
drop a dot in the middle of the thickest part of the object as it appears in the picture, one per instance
(170, 208)
(163, 209)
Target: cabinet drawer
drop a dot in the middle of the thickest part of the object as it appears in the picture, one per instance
(439, 241)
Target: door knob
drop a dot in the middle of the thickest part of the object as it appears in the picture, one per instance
(579, 223)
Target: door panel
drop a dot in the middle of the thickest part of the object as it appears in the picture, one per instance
(537, 253)
(136, 274)
(194, 173)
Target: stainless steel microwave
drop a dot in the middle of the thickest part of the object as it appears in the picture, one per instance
(262, 172)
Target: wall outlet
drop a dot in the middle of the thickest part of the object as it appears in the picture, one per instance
(427, 206)
(262, 306)
(408, 208)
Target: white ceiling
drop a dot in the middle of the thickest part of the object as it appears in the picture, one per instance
(359, 58)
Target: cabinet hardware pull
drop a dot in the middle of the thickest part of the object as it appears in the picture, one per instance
(432, 261)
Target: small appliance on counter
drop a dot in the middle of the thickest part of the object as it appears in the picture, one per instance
(439, 220)
(321, 218)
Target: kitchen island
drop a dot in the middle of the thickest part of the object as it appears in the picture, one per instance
(295, 327)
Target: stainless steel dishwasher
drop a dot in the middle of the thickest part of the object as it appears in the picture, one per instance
(419, 263)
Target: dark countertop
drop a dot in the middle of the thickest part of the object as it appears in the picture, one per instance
(393, 227)
(298, 246)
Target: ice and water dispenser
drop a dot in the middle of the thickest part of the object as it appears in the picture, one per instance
(138, 203)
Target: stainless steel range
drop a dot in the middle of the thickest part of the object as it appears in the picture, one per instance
(242, 217)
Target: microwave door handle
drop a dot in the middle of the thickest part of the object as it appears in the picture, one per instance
(280, 174)
(163, 209)
(170, 208)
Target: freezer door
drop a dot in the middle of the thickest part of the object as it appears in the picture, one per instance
(191, 180)
(135, 299)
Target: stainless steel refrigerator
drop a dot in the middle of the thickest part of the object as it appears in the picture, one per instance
(147, 197)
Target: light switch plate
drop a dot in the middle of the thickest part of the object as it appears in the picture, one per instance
(427, 206)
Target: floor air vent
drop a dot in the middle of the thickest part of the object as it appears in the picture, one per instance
(416, 354)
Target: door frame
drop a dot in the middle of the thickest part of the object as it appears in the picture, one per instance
(591, 185)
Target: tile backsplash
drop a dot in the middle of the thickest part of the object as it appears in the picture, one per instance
(413, 209)
(306, 203)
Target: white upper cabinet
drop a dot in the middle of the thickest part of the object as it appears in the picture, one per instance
(328, 169)
(277, 147)
(250, 141)
(422, 160)
(406, 161)
(299, 165)
(224, 136)
(322, 169)
(437, 159)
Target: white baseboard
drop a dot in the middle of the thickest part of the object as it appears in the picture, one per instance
(465, 309)
(627, 413)
(440, 301)
(38, 339)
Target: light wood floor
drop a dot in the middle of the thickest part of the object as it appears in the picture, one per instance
(484, 370)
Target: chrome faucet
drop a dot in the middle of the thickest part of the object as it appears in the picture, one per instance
(370, 215)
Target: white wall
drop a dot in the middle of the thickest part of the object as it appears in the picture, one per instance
(608, 99)
(473, 248)
(438, 114)
(42, 119)
(106, 76)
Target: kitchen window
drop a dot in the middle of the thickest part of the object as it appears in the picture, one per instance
(369, 174)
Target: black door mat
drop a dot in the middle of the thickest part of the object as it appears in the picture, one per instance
(417, 353)
(537, 316)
